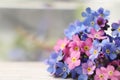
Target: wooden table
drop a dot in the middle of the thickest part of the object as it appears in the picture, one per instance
(25, 71)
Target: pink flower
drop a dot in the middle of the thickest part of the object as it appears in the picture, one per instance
(101, 74)
(96, 34)
(112, 73)
(61, 44)
(86, 46)
(66, 52)
(73, 60)
(75, 45)
(88, 68)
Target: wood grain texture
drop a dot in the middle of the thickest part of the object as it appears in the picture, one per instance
(25, 71)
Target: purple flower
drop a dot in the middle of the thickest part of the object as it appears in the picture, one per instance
(62, 70)
(88, 68)
(101, 21)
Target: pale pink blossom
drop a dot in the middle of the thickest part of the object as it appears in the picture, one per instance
(86, 46)
(61, 44)
(76, 44)
(112, 73)
(73, 61)
(96, 34)
(101, 74)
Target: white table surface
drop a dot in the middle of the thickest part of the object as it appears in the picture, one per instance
(25, 71)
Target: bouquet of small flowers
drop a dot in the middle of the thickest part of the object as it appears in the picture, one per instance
(88, 52)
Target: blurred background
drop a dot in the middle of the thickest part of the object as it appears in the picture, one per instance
(30, 28)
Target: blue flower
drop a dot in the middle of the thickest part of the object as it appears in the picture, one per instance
(96, 43)
(94, 52)
(96, 19)
(80, 73)
(103, 13)
(76, 72)
(87, 13)
(84, 37)
(52, 69)
(109, 51)
(104, 42)
(90, 21)
(53, 59)
(62, 70)
(110, 38)
(83, 77)
(116, 29)
(79, 70)
(73, 73)
(74, 28)
(117, 41)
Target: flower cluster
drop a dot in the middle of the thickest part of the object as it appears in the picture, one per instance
(88, 52)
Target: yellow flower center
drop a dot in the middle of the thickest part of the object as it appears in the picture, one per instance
(88, 69)
(101, 76)
(102, 15)
(85, 56)
(64, 69)
(107, 51)
(92, 23)
(96, 35)
(63, 46)
(86, 48)
(76, 48)
(119, 29)
(74, 59)
(110, 73)
(95, 51)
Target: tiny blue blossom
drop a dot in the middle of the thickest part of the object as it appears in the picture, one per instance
(91, 22)
(83, 77)
(116, 29)
(103, 13)
(94, 52)
(62, 70)
(53, 59)
(117, 41)
(80, 73)
(109, 51)
(87, 13)
(74, 28)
